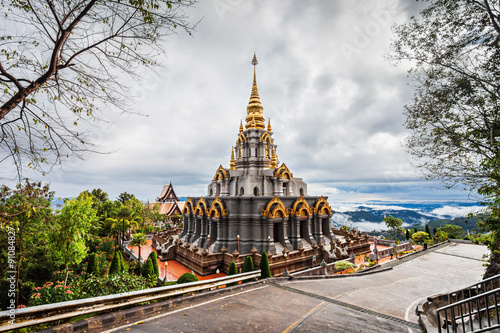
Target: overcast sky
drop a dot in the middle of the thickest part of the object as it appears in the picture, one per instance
(335, 103)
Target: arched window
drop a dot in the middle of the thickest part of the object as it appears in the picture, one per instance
(285, 189)
(256, 191)
(242, 191)
(301, 191)
(211, 192)
(217, 191)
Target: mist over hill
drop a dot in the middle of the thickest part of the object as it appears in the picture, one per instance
(369, 215)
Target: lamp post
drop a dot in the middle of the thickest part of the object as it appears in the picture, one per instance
(217, 271)
(285, 273)
(268, 244)
(238, 236)
(165, 278)
(208, 247)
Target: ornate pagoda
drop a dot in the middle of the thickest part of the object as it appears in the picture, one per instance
(254, 205)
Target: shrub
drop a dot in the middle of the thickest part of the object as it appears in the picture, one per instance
(440, 237)
(154, 260)
(265, 270)
(116, 265)
(233, 270)
(343, 265)
(121, 267)
(187, 277)
(420, 237)
(93, 265)
(93, 286)
(248, 265)
(107, 246)
(148, 271)
(51, 292)
(134, 268)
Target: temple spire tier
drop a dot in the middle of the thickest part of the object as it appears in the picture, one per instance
(255, 110)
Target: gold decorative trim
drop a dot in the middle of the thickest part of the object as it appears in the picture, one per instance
(188, 206)
(283, 172)
(241, 138)
(201, 207)
(221, 173)
(279, 209)
(323, 207)
(303, 209)
(217, 212)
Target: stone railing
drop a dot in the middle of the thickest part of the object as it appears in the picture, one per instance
(391, 250)
(323, 269)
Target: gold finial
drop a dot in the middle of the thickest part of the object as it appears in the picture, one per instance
(269, 129)
(241, 126)
(255, 108)
(274, 160)
(232, 163)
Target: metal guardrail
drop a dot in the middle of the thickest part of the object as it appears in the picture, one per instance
(58, 311)
(466, 313)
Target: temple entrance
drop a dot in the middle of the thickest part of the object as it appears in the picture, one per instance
(217, 190)
(303, 232)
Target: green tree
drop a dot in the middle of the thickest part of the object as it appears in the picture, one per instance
(71, 231)
(440, 236)
(73, 56)
(139, 240)
(428, 230)
(187, 277)
(154, 260)
(148, 271)
(115, 266)
(26, 213)
(248, 265)
(393, 223)
(233, 270)
(420, 237)
(452, 231)
(454, 117)
(407, 235)
(265, 270)
(93, 265)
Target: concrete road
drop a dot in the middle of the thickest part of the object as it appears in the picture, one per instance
(396, 292)
(268, 308)
(380, 302)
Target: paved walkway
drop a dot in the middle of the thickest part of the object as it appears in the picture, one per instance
(379, 302)
(173, 268)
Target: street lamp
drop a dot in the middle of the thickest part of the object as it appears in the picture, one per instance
(217, 271)
(165, 278)
(268, 244)
(238, 236)
(285, 273)
(208, 247)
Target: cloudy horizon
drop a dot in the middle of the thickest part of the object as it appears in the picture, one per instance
(335, 104)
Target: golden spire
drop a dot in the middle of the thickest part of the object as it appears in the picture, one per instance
(274, 160)
(255, 108)
(241, 126)
(232, 163)
(269, 129)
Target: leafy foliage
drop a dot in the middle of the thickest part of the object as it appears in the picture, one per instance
(93, 265)
(62, 62)
(265, 270)
(186, 278)
(148, 271)
(116, 264)
(154, 260)
(454, 117)
(343, 265)
(420, 237)
(248, 265)
(233, 270)
(452, 231)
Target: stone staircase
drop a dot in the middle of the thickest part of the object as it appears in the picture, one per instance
(279, 248)
(305, 244)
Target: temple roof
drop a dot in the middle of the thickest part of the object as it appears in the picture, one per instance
(167, 194)
(169, 208)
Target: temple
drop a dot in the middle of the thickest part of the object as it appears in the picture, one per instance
(167, 202)
(255, 205)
